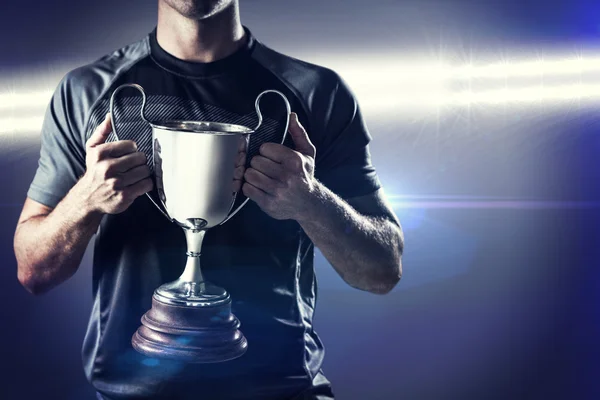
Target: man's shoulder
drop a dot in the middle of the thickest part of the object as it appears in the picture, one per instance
(321, 90)
(99, 74)
(82, 88)
(301, 74)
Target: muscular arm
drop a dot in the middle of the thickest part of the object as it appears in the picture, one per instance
(49, 243)
(362, 238)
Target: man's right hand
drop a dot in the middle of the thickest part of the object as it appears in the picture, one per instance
(116, 173)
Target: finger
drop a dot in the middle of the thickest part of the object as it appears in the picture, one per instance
(129, 161)
(100, 133)
(255, 194)
(301, 140)
(139, 188)
(243, 143)
(241, 159)
(238, 172)
(268, 167)
(237, 184)
(116, 149)
(275, 152)
(261, 181)
(134, 175)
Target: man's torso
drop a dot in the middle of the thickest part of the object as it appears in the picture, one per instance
(266, 265)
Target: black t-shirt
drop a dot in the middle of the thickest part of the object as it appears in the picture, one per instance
(265, 264)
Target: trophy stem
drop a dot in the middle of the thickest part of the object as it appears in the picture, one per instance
(190, 319)
(192, 271)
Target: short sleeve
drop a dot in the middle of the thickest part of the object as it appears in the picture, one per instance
(343, 161)
(62, 154)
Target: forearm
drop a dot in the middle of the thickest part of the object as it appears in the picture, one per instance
(365, 251)
(49, 248)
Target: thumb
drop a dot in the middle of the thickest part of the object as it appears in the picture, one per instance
(101, 133)
(300, 137)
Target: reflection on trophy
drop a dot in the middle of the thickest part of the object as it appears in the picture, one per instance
(199, 168)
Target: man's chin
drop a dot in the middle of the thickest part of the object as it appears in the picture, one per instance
(198, 9)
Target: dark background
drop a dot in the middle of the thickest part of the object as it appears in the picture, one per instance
(498, 299)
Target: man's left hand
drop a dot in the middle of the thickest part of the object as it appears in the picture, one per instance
(281, 180)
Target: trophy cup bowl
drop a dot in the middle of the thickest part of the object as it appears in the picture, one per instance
(199, 168)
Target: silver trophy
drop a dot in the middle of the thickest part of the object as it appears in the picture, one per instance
(199, 168)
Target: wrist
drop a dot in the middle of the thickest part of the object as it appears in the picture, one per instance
(312, 203)
(82, 201)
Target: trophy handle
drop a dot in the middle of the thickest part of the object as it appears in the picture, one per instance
(260, 120)
(143, 115)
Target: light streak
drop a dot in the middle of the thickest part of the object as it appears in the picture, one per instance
(496, 204)
(28, 100)
(392, 85)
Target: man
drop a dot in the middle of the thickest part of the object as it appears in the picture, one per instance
(320, 188)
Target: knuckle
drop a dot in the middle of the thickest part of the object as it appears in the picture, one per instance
(112, 184)
(148, 184)
(128, 145)
(109, 170)
(238, 173)
(103, 169)
(296, 162)
(121, 196)
(264, 147)
(141, 157)
(99, 153)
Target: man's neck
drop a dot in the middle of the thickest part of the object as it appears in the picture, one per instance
(205, 40)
